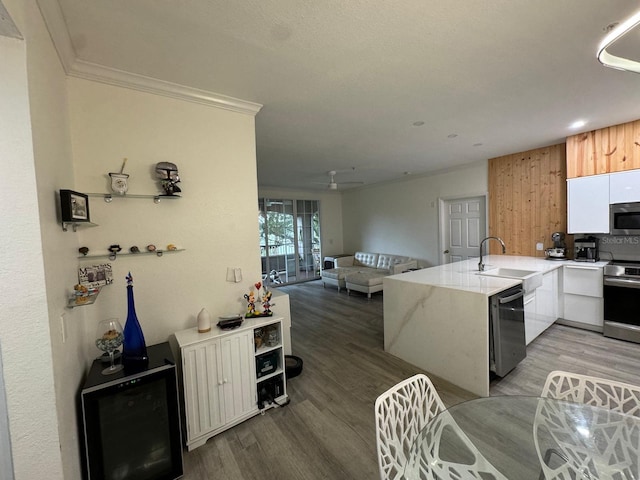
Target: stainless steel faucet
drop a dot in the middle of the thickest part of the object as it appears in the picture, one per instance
(504, 250)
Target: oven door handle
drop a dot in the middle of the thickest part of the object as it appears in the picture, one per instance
(622, 282)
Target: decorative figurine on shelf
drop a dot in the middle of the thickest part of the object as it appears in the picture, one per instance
(251, 304)
(266, 302)
(114, 249)
(119, 183)
(167, 172)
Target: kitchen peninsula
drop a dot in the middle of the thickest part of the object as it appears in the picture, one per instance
(438, 318)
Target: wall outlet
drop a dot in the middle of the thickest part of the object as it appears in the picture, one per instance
(539, 246)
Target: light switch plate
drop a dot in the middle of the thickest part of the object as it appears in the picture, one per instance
(539, 246)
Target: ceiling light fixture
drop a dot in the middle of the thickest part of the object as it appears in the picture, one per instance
(577, 124)
(452, 135)
(477, 144)
(418, 124)
(613, 61)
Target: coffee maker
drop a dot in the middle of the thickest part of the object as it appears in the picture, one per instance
(586, 249)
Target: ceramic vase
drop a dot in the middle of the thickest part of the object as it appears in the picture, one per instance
(204, 321)
(134, 348)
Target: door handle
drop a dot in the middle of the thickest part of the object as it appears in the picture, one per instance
(446, 251)
(511, 298)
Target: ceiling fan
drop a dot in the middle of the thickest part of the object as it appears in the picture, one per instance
(332, 182)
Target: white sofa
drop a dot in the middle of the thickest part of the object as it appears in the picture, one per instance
(364, 271)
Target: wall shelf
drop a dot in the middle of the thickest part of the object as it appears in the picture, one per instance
(81, 301)
(108, 197)
(113, 256)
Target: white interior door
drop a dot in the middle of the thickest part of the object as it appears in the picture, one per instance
(463, 225)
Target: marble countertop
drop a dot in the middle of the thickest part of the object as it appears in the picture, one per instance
(464, 276)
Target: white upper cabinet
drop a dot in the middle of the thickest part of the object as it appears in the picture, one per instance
(624, 187)
(588, 204)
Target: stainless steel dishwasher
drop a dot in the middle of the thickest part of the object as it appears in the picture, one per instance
(507, 344)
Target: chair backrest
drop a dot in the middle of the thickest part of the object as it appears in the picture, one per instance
(599, 392)
(401, 413)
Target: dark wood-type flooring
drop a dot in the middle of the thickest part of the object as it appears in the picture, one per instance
(327, 431)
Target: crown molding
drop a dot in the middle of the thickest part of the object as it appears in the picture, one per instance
(120, 78)
(75, 67)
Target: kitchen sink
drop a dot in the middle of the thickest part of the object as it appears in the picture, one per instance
(531, 279)
(507, 272)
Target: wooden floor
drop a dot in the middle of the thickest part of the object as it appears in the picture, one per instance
(327, 431)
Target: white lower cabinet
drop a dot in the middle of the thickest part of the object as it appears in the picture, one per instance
(541, 306)
(583, 296)
(219, 377)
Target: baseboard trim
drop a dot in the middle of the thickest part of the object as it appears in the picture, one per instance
(583, 326)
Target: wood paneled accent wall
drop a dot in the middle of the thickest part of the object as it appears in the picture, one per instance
(528, 199)
(608, 150)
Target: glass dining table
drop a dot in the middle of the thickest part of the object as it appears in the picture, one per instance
(520, 438)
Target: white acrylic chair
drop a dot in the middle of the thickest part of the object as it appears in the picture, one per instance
(401, 413)
(616, 396)
(599, 392)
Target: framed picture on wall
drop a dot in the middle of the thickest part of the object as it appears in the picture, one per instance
(74, 206)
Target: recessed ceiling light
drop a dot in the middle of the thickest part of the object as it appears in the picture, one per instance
(577, 124)
(477, 144)
(452, 135)
(407, 173)
(418, 124)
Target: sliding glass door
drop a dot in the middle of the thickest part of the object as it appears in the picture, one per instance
(289, 240)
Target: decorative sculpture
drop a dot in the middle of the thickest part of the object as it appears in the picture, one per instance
(167, 172)
(252, 312)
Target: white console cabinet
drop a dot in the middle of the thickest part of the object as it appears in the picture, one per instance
(583, 296)
(588, 204)
(219, 378)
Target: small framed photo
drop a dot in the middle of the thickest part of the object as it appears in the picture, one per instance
(74, 206)
(95, 276)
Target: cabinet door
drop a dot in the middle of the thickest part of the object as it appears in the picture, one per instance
(202, 380)
(588, 204)
(624, 187)
(583, 295)
(579, 280)
(238, 375)
(547, 305)
(531, 324)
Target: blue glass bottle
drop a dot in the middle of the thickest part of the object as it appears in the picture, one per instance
(134, 348)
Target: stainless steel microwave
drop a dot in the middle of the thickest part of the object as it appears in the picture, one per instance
(625, 219)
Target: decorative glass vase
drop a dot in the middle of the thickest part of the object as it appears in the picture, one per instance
(134, 348)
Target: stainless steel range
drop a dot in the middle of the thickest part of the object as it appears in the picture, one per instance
(622, 300)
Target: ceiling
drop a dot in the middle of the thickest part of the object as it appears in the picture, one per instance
(373, 90)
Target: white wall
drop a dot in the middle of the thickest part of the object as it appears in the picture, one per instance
(45, 356)
(24, 325)
(402, 217)
(215, 221)
(330, 215)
